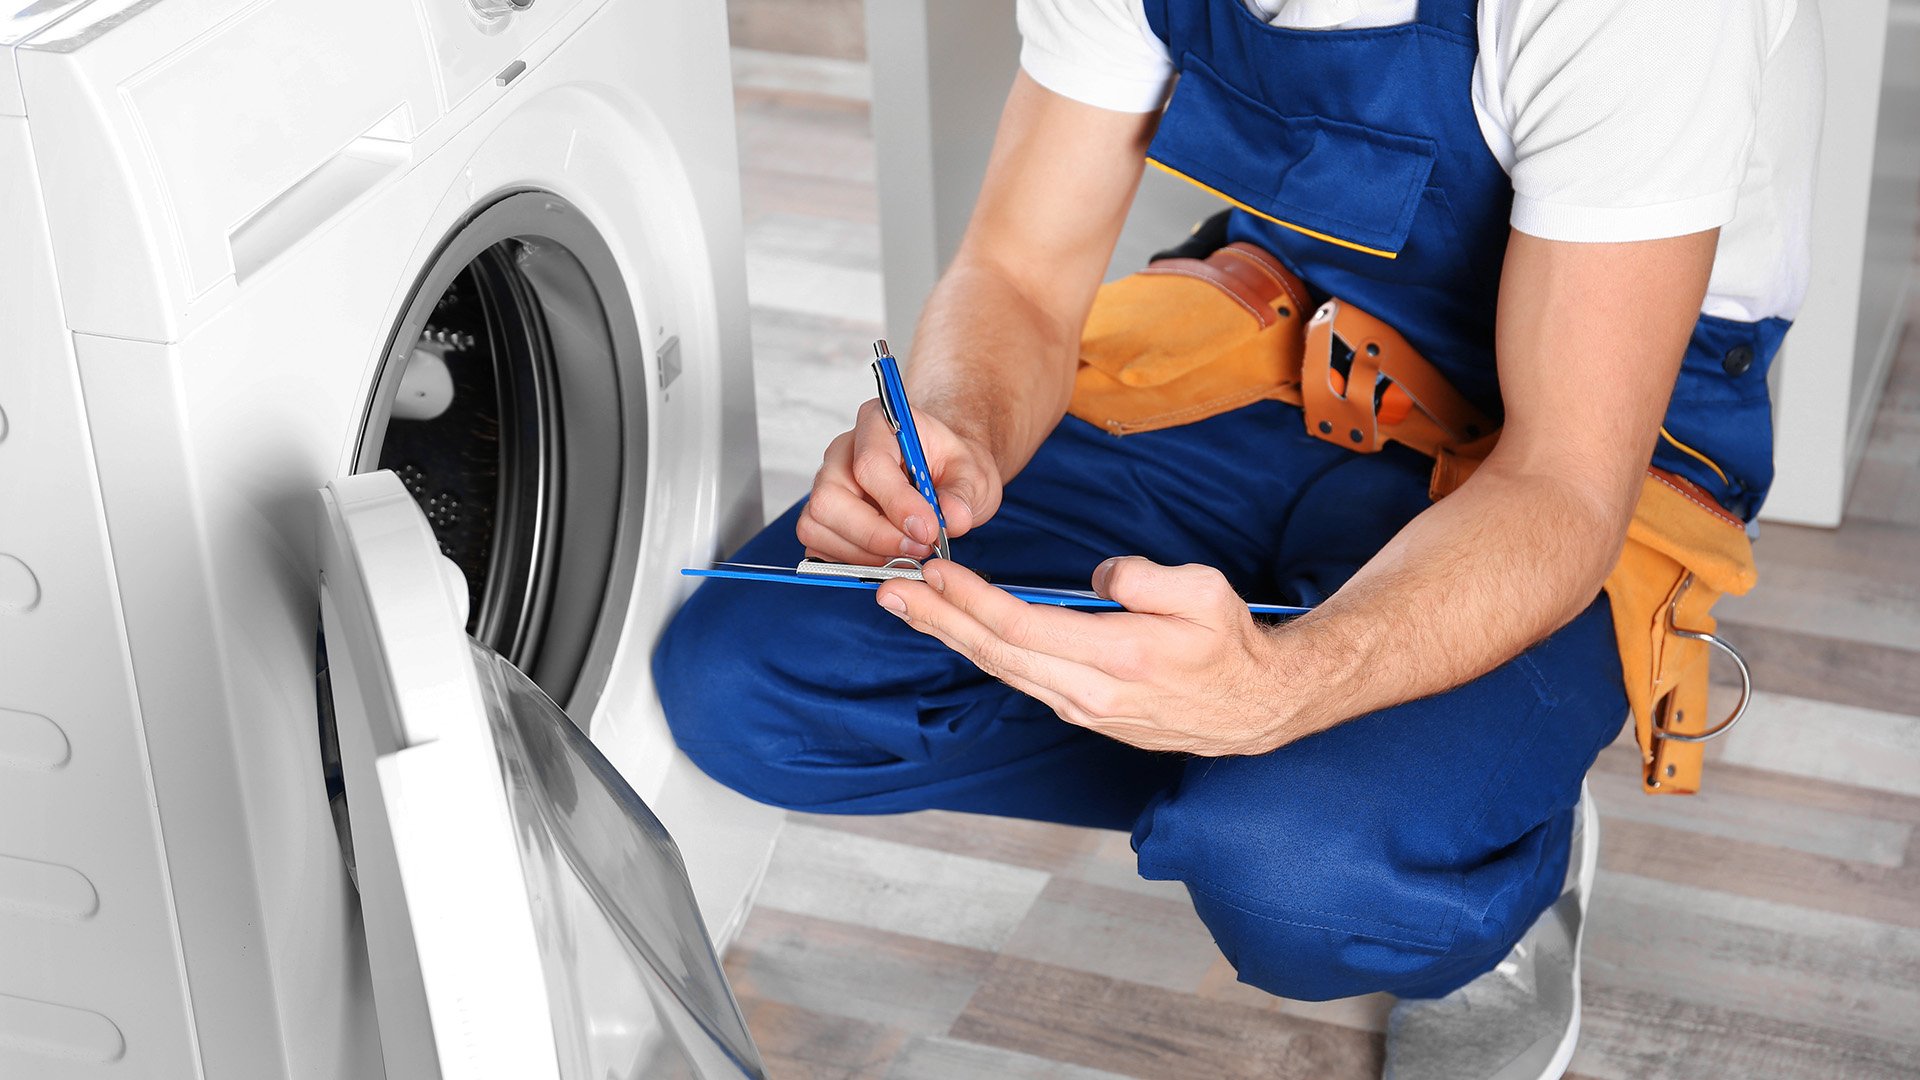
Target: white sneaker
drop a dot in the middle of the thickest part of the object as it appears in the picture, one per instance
(1521, 1020)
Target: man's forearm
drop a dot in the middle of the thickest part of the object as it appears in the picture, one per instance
(993, 365)
(998, 341)
(1472, 582)
(1590, 338)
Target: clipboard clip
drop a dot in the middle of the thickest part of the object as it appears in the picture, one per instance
(892, 569)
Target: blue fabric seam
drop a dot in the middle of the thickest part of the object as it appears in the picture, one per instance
(1238, 901)
(1498, 783)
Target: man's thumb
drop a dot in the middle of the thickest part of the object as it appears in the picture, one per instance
(964, 501)
(1140, 584)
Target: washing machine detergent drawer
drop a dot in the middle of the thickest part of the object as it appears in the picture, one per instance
(526, 915)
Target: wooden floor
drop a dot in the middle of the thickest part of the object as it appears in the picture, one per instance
(1767, 928)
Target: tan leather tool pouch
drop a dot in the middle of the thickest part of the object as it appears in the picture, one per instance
(1683, 553)
(1186, 339)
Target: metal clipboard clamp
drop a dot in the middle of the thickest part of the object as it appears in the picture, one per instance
(902, 567)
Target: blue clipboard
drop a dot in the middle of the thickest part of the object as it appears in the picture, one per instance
(846, 576)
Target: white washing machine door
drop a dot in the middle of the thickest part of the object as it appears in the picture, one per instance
(526, 915)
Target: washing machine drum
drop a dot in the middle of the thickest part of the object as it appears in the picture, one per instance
(511, 405)
(526, 915)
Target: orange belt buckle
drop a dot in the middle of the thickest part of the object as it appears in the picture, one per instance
(1348, 349)
(1394, 402)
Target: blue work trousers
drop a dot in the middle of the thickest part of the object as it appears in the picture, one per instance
(1406, 850)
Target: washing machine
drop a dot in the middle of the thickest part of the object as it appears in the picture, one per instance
(368, 370)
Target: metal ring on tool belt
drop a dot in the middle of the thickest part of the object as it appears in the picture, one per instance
(1746, 678)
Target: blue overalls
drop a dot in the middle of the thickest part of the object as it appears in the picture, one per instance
(1403, 851)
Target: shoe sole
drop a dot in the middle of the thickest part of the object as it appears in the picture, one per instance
(1589, 855)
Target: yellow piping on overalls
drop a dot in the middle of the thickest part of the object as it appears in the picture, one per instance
(1169, 170)
(1691, 452)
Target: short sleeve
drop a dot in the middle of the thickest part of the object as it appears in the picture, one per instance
(1098, 52)
(1623, 120)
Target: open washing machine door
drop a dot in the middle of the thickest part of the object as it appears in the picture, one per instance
(526, 915)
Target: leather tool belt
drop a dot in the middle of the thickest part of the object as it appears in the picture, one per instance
(1190, 338)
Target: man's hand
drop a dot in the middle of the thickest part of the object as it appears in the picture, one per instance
(865, 510)
(1185, 667)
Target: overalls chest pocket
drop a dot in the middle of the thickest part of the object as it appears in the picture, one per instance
(1362, 191)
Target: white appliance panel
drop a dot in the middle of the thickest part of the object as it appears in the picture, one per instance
(185, 398)
(84, 882)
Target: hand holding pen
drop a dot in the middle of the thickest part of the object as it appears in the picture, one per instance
(867, 506)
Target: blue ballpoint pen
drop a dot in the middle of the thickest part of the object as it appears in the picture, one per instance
(893, 402)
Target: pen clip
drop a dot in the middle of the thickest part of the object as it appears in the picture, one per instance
(886, 399)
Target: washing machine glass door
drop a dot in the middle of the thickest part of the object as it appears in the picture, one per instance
(526, 915)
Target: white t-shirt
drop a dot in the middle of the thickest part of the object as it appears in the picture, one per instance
(1616, 120)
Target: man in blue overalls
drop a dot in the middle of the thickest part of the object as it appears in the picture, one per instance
(1590, 217)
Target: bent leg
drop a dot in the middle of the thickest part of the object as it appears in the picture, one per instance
(816, 699)
(1404, 851)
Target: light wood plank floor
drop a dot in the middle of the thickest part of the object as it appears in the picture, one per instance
(1767, 928)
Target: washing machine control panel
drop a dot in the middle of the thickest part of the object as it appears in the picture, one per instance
(491, 10)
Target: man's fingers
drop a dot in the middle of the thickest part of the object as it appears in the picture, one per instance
(958, 511)
(1097, 642)
(877, 470)
(821, 542)
(1091, 670)
(879, 475)
(846, 513)
(968, 495)
(839, 522)
(1077, 693)
(1011, 674)
(929, 610)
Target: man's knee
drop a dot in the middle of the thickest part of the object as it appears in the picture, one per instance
(1318, 956)
(1312, 899)
(718, 686)
(813, 699)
